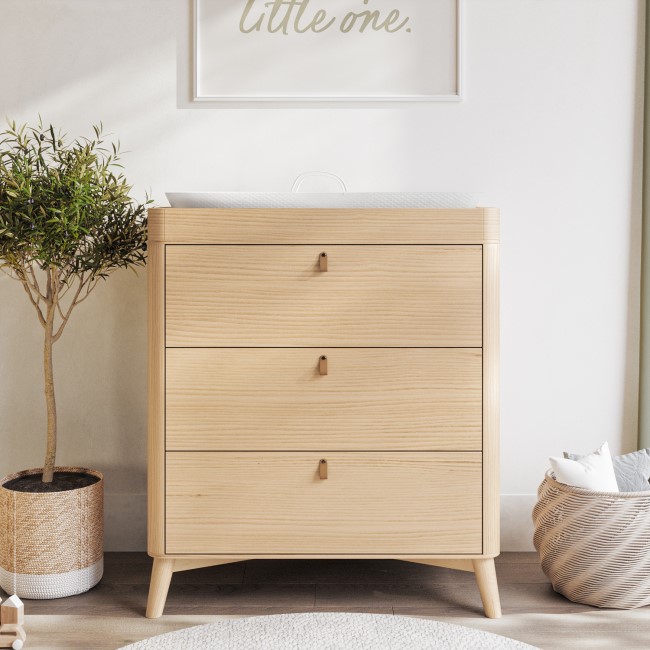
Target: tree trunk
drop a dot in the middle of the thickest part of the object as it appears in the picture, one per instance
(50, 401)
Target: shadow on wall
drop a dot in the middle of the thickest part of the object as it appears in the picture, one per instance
(100, 371)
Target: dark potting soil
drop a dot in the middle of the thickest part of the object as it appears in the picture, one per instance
(62, 482)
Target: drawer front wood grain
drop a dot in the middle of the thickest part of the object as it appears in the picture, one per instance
(335, 226)
(370, 399)
(409, 296)
(276, 502)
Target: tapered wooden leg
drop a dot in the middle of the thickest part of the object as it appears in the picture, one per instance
(161, 576)
(486, 578)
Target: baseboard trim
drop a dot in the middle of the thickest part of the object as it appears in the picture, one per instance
(125, 522)
(517, 522)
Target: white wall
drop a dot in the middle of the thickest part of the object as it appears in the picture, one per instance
(549, 131)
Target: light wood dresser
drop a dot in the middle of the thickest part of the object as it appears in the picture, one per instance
(323, 384)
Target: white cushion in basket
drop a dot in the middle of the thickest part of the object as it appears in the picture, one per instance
(593, 472)
(632, 470)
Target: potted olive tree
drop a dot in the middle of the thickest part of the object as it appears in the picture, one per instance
(66, 222)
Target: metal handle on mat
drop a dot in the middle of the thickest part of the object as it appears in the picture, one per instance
(299, 181)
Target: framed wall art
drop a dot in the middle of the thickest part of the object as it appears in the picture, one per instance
(327, 50)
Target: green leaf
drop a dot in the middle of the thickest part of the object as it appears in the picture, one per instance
(66, 205)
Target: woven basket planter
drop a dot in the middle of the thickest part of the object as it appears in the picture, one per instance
(594, 546)
(51, 544)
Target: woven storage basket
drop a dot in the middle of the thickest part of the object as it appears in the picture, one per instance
(594, 546)
(51, 544)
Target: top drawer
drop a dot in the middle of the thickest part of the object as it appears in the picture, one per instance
(278, 296)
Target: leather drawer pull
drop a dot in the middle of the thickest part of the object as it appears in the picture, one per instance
(322, 469)
(322, 262)
(322, 365)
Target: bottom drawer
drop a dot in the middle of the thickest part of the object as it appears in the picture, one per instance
(276, 503)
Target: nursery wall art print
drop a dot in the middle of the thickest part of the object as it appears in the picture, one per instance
(327, 50)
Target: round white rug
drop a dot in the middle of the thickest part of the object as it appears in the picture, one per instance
(323, 631)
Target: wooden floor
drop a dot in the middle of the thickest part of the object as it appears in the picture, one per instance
(112, 614)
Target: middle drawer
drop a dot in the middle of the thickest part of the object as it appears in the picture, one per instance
(225, 399)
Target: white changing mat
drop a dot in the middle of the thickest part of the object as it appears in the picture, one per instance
(375, 200)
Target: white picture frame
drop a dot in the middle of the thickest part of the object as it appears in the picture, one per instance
(201, 94)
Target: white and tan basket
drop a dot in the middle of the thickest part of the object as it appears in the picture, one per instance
(594, 546)
(51, 544)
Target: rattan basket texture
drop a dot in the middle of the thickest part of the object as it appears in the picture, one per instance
(51, 544)
(594, 546)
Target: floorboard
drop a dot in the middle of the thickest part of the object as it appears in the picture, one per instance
(112, 614)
